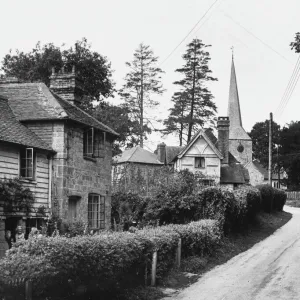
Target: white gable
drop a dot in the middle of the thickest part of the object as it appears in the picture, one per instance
(199, 147)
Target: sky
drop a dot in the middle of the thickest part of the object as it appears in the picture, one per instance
(259, 30)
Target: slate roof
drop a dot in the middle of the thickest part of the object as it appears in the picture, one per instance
(12, 131)
(34, 101)
(137, 155)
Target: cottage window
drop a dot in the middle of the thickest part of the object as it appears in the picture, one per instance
(96, 211)
(93, 143)
(199, 162)
(27, 163)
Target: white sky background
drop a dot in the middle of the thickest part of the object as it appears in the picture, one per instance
(116, 27)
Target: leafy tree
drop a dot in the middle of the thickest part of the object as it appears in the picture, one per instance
(260, 140)
(290, 153)
(296, 44)
(92, 68)
(199, 107)
(119, 118)
(141, 83)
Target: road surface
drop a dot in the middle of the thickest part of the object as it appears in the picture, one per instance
(269, 270)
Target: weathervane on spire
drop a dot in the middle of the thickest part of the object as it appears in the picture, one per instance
(232, 50)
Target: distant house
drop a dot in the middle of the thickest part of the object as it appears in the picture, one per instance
(134, 170)
(26, 156)
(210, 157)
(80, 168)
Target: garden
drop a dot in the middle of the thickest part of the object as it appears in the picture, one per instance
(149, 236)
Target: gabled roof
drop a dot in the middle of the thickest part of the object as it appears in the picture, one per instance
(34, 101)
(137, 155)
(12, 131)
(172, 152)
(209, 138)
(236, 130)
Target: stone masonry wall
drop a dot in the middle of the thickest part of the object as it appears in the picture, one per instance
(78, 176)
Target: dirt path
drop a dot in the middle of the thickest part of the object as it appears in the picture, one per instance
(269, 270)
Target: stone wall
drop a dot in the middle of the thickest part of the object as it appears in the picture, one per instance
(256, 177)
(72, 174)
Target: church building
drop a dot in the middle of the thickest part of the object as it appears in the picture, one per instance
(240, 143)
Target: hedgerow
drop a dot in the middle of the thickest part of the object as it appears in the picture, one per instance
(267, 197)
(57, 265)
(279, 199)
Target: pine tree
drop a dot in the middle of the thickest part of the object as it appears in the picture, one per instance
(197, 105)
(142, 82)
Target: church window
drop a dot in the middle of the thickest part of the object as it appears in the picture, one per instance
(199, 162)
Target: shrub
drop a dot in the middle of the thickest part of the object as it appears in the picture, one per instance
(267, 197)
(173, 203)
(198, 238)
(105, 262)
(126, 208)
(74, 228)
(279, 199)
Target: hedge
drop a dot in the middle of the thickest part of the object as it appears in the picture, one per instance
(109, 261)
(267, 197)
(279, 199)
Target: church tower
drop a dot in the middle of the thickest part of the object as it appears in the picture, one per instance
(240, 143)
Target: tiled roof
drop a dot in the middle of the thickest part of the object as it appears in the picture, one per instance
(12, 131)
(172, 152)
(137, 155)
(34, 101)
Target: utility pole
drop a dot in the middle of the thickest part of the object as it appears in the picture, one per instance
(270, 147)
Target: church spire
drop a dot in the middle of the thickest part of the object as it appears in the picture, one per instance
(236, 130)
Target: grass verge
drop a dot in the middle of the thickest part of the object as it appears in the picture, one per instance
(193, 268)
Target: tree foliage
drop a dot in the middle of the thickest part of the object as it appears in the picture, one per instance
(119, 118)
(260, 139)
(290, 153)
(296, 44)
(141, 83)
(193, 104)
(93, 69)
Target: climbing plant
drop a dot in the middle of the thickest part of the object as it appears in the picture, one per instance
(14, 198)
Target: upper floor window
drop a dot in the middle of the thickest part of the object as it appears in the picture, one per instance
(199, 162)
(27, 163)
(93, 142)
(96, 211)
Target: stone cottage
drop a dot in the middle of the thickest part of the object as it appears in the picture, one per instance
(23, 154)
(80, 169)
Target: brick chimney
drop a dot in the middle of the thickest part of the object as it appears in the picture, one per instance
(161, 152)
(66, 85)
(223, 138)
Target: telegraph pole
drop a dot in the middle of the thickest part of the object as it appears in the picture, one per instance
(270, 147)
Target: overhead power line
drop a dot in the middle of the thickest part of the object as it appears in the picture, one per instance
(202, 17)
(256, 37)
(289, 88)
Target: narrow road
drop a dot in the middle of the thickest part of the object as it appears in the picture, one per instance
(269, 270)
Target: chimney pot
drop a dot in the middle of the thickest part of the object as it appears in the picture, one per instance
(161, 152)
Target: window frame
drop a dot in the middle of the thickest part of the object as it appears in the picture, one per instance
(200, 166)
(93, 144)
(27, 168)
(96, 219)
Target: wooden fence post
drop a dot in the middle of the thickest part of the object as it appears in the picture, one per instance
(153, 271)
(28, 290)
(178, 253)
